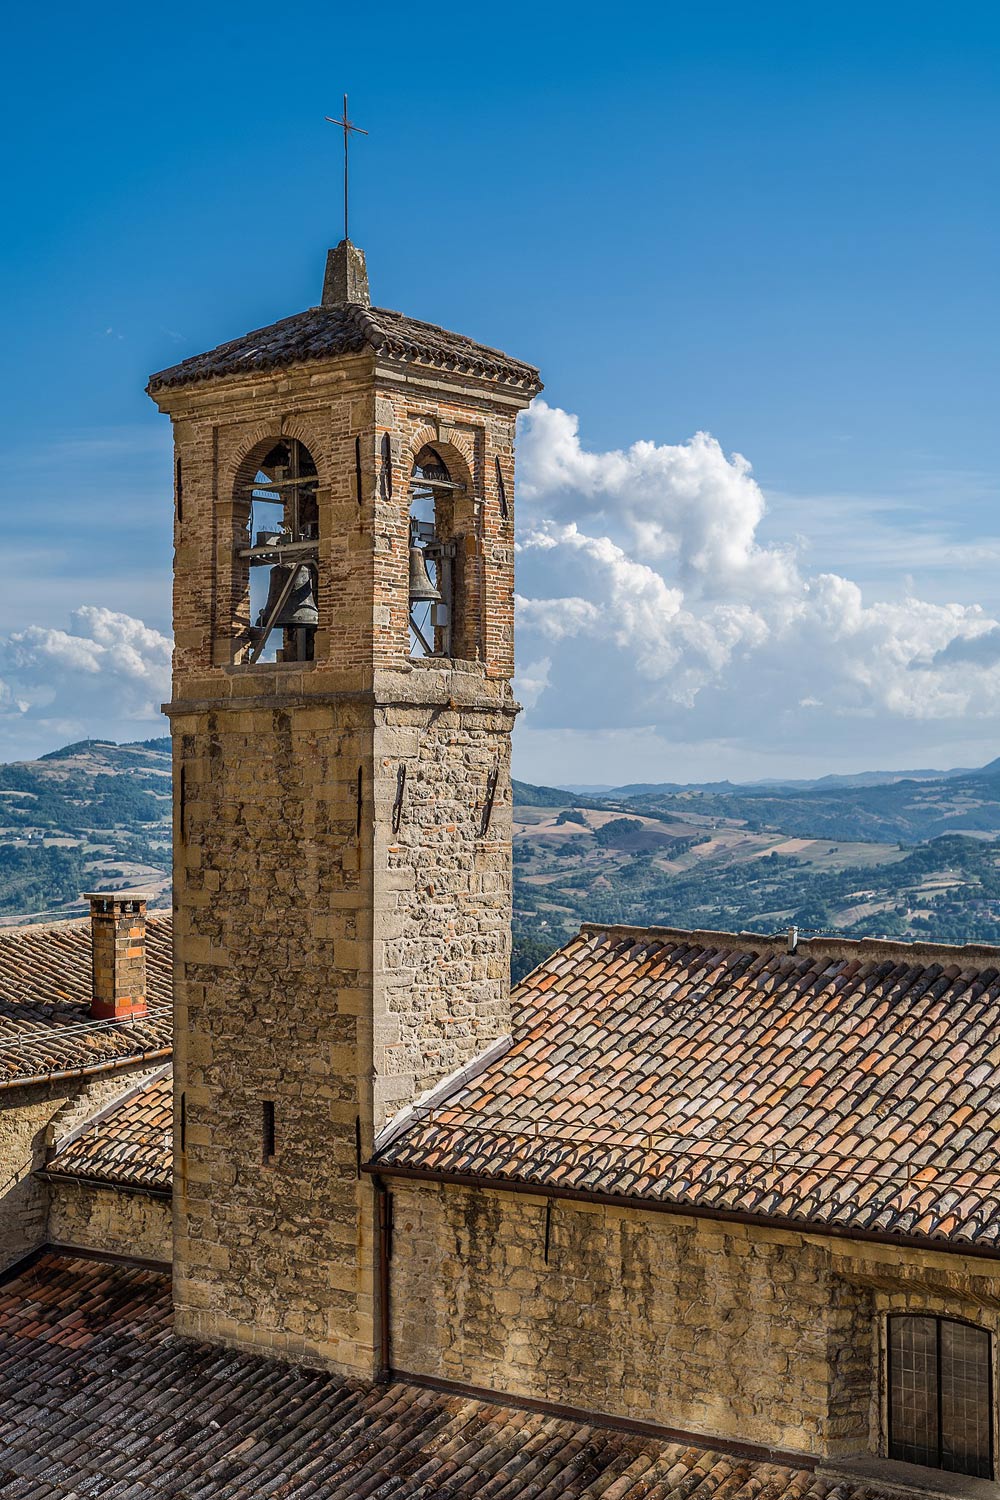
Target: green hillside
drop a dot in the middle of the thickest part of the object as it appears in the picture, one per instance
(909, 810)
(93, 814)
(904, 858)
(896, 858)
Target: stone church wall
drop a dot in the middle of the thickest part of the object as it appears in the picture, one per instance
(109, 1219)
(30, 1119)
(733, 1331)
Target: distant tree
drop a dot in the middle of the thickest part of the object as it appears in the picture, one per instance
(527, 952)
(612, 835)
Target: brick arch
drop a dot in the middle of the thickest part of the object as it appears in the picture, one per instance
(457, 518)
(232, 607)
(266, 436)
(461, 448)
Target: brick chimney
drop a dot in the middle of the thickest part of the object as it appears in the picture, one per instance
(118, 933)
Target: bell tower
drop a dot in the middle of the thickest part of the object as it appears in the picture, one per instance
(341, 718)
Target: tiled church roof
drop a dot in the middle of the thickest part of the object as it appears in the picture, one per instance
(45, 994)
(97, 1397)
(347, 328)
(127, 1143)
(848, 1084)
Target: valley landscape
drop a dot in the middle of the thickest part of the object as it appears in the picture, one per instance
(911, 855)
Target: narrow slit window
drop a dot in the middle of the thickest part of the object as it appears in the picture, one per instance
(267, 1129)
(502, 492)
(183, 1121)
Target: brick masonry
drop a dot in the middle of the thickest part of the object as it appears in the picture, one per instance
(731, 1330)
(118, 928)
(343, 901)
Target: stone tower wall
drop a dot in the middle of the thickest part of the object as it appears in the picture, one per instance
(216, 433)
(352, 417)
(273, 888)
(343, 901)
(475, 437)
(442, 898)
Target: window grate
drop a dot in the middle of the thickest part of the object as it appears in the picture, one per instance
(941, 1394)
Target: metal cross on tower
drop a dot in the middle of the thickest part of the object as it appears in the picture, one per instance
(347, 128)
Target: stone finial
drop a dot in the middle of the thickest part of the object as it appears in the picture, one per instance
(118, 932)
(346, 278)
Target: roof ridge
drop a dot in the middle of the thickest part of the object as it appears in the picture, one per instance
(825, 945)
(99, 1115)
(465, 338)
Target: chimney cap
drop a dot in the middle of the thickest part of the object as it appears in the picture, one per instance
(116, 896)
(346, 278)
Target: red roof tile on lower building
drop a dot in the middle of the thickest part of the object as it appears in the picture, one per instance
(854, 1085)
(45, 995)
(97, 1397)
(128, 1143)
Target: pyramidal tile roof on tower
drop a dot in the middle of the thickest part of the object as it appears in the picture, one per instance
(99, 1397)
(347, 328)
(852, 1085)
(45, 997)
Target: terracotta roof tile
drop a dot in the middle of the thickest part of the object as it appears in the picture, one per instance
(126, 1144)
(347, 328)
(97, 1397)
(45, 994)
(851, 1084)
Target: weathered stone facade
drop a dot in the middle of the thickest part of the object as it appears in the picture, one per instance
(30, 1119)
(732, 1330)
(342, 874)
(113, 1220)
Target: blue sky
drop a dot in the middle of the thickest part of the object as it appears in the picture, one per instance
(776, 224)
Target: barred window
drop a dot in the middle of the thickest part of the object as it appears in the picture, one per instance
(941, 1394)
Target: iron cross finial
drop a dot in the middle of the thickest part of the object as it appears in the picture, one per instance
(348, 128)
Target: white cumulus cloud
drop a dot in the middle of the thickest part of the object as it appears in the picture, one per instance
(531, 680)
(642, 573)
(103, 677)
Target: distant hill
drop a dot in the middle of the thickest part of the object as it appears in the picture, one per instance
(915, 856)
(777, 783)
(907, 809)
(93, 814)
(526, 795)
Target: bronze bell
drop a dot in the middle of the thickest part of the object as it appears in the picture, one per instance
(422, 589)
(299, 609)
